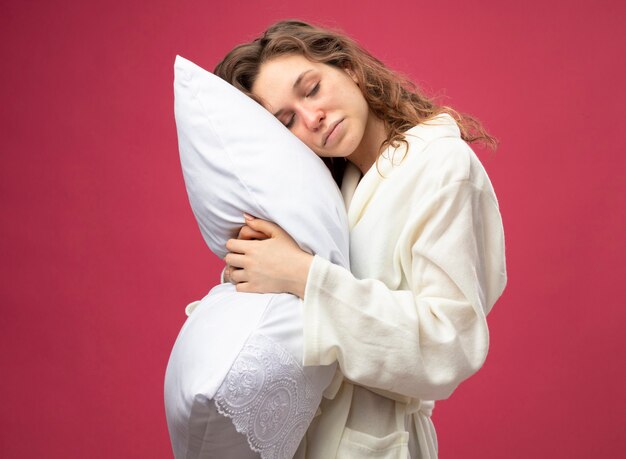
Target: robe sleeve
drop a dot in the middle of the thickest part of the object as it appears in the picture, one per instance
(423, 341)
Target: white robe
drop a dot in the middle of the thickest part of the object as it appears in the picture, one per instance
(408, 324)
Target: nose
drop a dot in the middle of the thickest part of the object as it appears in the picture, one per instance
(312, 117)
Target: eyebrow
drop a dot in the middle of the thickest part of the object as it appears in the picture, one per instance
(295, 85)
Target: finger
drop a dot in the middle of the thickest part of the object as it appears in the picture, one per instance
(263, 226)
(226, 274)
(239, 245)
(242, 287)
(235, 260)
(249, 234)
(238, 275)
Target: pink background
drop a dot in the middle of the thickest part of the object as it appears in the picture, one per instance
(99, 251)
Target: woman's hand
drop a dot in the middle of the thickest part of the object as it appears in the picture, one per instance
(273, 265)
(248, 234)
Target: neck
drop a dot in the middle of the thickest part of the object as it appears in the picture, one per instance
(369, 149)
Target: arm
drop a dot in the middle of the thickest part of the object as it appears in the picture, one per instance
(418, 342)
(423, 341)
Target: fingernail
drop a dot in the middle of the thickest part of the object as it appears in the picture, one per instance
(248, 216)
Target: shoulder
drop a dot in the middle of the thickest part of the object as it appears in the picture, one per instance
(437, 152)
(433, 157)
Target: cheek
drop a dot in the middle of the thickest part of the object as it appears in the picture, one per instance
(364, 108)
(353, 99)
(304, 136)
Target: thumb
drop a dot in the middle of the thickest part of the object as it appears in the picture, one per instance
(263, 226)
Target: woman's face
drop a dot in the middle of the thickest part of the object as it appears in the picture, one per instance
(321, 104)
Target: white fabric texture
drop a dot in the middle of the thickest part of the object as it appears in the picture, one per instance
(408, 323)
(236, 157)
(244, 351)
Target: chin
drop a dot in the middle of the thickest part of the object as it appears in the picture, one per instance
(349, 146)
(346, 146)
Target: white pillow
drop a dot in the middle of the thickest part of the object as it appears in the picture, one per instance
(236, 157)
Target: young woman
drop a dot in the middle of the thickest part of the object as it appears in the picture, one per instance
(408, 324)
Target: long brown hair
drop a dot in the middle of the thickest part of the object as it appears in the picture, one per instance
(391, 97)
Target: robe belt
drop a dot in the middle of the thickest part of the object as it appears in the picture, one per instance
(424, 407)
(412, 405)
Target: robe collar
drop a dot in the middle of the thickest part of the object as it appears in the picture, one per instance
(357, 188)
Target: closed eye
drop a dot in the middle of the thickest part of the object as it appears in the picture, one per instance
(311, 93)
(289, 124)
(314, 91)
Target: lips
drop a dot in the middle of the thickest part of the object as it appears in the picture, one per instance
(330, 130)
